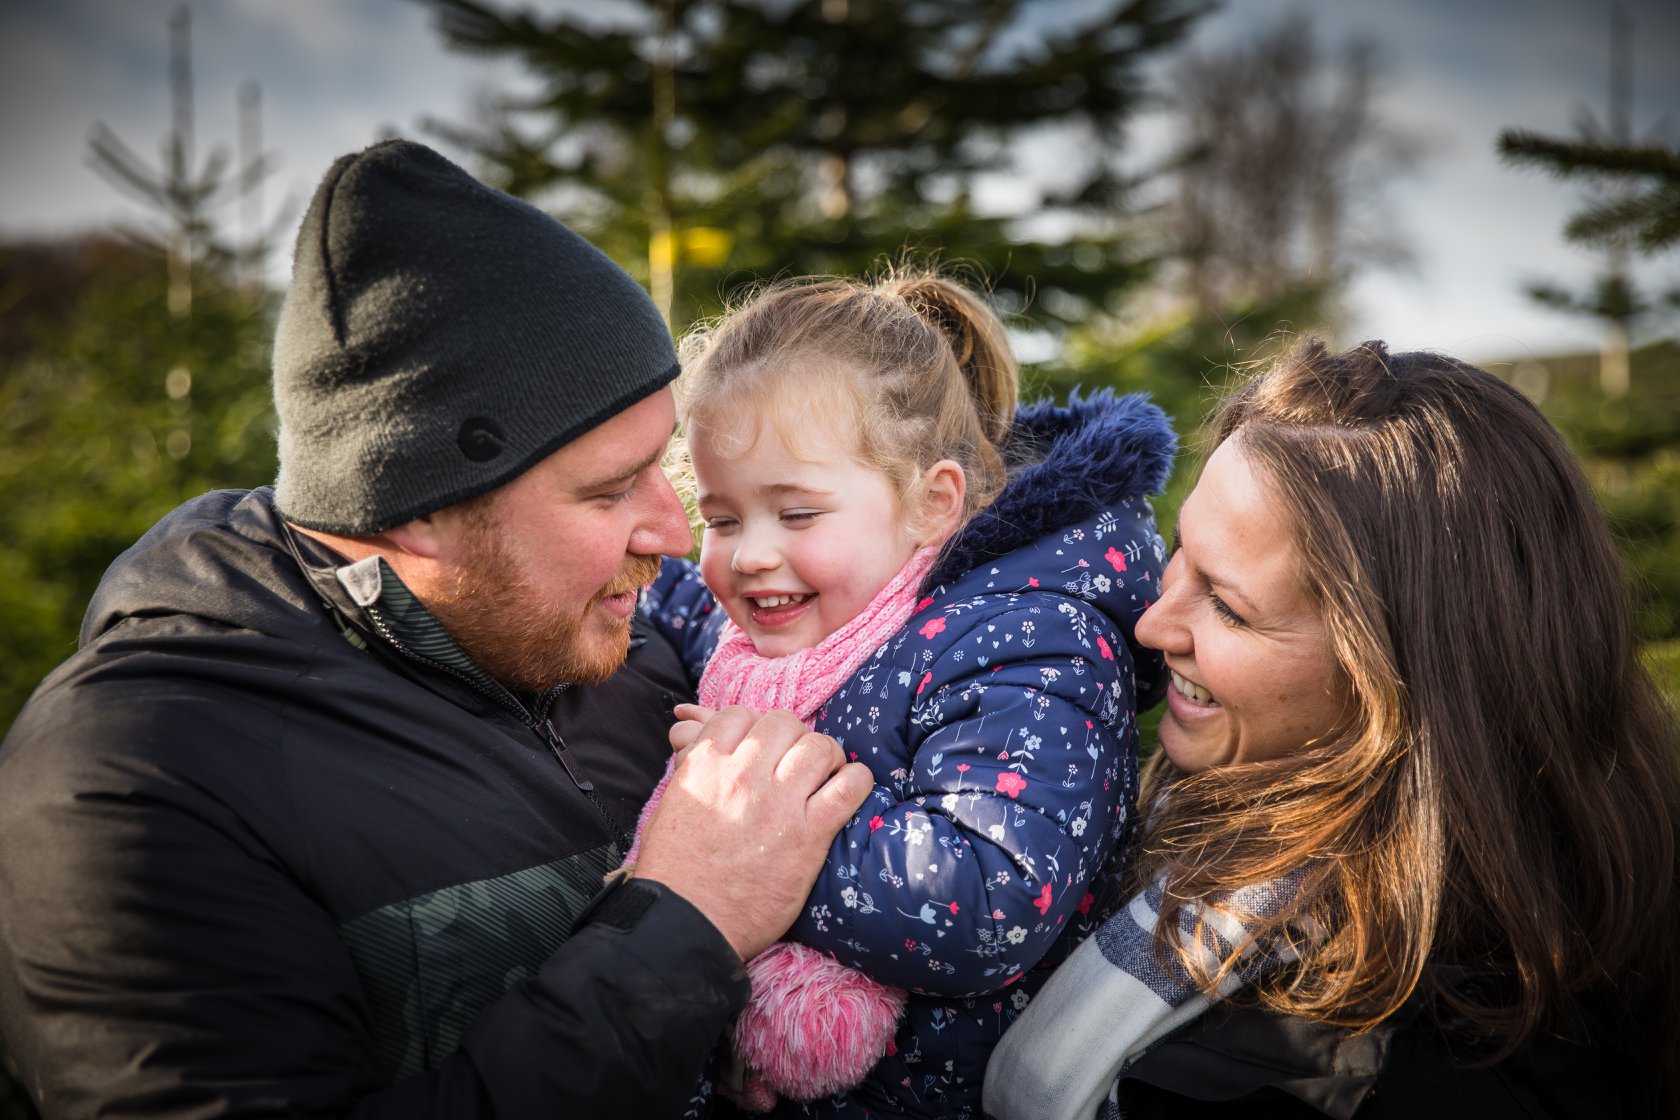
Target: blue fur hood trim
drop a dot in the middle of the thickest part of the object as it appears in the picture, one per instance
(1065, 465)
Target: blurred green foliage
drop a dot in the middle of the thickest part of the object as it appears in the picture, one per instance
(112, 412)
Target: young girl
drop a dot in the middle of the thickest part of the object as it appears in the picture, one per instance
(948, 587)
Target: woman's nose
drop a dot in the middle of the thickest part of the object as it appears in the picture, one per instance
(1161, 626)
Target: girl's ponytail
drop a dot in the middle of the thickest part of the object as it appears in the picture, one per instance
(977, 339)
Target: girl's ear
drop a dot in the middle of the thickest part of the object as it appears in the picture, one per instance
(939, 512)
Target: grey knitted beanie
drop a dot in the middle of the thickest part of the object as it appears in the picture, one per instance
(440, 338)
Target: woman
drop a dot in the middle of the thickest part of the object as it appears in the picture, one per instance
(1414, 765)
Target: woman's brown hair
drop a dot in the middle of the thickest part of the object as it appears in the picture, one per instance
(916, 366)
(1502, 800)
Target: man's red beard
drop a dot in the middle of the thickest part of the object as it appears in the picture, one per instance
(524, 641)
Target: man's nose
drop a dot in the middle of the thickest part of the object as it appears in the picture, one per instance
(664, 528)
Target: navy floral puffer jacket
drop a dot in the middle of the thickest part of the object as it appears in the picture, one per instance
(1000, 724)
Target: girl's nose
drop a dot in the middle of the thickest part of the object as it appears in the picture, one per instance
(754, 552)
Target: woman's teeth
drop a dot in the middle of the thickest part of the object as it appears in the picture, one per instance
(769, 602)
(1193, 692)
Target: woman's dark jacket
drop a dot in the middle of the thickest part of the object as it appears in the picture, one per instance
(1000, 726)
(1257, 1065)
(269, 844)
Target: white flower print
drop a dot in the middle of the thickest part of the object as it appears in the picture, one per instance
(1078, 826)
(1016, 935)
(849, 896)
(996, 833)
(1018, 999)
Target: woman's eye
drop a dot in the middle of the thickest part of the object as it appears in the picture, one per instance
(1224, 611)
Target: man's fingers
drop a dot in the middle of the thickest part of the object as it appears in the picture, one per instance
(842, 795)
(809, 760)
(727, 728)
(695, 712)
(684, 733)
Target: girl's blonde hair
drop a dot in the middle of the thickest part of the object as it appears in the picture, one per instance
(918, 365)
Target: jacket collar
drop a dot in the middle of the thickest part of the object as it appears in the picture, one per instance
(1065, 465)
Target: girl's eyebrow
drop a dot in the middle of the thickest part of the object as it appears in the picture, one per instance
(772, 490)
(775, 489)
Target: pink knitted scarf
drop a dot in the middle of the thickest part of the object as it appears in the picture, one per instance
(801, 682)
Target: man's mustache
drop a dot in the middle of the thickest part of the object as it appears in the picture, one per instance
(637, 574)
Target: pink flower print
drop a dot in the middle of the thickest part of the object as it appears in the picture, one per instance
(1102, 648)
(909, 945)
(1113, 557)
(1043, 900)
(923, 605)
(1032, 581)
(998, 914)
(1089, 725)
(926, 677)
(963, 767)
(1085, 903)
(875, 822)
(1011, 783)
(932, 626)
(954, 908)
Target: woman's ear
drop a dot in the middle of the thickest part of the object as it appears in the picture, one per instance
(939, 512)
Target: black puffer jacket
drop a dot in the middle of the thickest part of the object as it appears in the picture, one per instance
(254, 860)
(1248, 1063)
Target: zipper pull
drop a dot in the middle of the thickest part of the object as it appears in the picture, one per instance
(558, 746)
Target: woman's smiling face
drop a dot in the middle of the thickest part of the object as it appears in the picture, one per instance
(1252, 671)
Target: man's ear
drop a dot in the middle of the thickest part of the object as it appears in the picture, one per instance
(939, 502)
(424, 538)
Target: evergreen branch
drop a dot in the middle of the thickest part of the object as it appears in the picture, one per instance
(119, 165)
(1574, 159)
(1643, 215)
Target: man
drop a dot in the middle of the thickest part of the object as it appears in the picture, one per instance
(316, 820)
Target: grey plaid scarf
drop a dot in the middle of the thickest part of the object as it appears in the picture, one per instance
(1114, 998)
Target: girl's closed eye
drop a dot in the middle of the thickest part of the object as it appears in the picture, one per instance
(719, 523)
(801, 516)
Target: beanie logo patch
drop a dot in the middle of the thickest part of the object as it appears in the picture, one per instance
(481, 439)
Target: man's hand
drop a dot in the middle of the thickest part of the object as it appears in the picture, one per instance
(747, 819)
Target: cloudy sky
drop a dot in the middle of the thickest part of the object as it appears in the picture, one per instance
(338, 74)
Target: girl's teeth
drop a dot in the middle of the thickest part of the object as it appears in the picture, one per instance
(773, 601)
(1193, 692)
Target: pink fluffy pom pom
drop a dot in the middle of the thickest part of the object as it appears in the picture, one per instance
(813, 1025)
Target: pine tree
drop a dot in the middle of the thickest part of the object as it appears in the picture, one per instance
(1637, 206)
(704, 143)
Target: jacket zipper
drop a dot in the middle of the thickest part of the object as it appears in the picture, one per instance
(544, 728)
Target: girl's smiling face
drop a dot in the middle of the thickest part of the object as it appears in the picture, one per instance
(1253, 676)
(794, 546)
